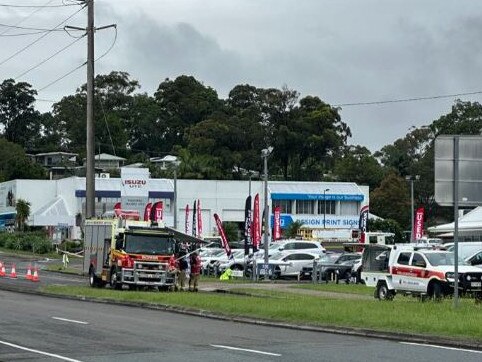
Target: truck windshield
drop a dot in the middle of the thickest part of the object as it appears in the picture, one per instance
(149, 244)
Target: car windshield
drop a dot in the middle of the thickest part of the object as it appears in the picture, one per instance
(328, 258)
(437, 259)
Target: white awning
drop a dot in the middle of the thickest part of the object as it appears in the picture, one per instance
(472, 221)
(54, 213)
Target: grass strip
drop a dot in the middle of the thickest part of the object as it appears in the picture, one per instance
(404, 314)
(60, 268)
(338, 288)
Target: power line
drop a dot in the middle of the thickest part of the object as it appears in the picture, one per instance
(62, 77)
(23, 34)
(26, 17)
(81, 65)
(48, 58)
(40, 37)
(37, 6)
(402, 100)
(28, 28)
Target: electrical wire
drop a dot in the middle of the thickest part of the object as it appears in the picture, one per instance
(23, 34)
(40, 37)
(403, 100)
(106, 124)
(81, 65)
(37, 6)
(62, 77)
(48, 58)
(28, 28)
(26, 17)
(111, 46)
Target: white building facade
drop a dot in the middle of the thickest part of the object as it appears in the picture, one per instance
(326, 209)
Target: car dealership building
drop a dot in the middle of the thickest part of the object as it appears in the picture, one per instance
(328, 210)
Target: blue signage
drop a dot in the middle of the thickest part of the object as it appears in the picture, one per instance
(328, 197)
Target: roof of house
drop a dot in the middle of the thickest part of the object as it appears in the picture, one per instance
(56, 153)
(108, 157)
(168, 158)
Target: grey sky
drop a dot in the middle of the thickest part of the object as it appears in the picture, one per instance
(343, 51)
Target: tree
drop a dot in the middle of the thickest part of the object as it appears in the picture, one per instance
(183, 102)
(358, 165)
(15, 164)
(292, 230)
(23, 212)
(392, 199)
(388, 226)
(21, 122)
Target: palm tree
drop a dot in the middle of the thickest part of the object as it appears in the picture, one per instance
(23, 212)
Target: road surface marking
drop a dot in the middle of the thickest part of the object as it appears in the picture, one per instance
(40, 352)
(244, 349)
(442, 347)
(69, 320)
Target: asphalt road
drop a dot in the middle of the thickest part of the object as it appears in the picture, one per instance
(50, 329)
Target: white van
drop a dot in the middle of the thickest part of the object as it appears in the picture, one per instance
(466, 248)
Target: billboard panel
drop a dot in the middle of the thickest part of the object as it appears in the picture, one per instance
(470, 170)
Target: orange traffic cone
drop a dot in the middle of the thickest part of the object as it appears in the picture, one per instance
(29, 273)
(2, 270)
(35, 277)
(13, 273)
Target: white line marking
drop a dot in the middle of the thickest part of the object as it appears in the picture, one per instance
(40, 352)
(69, 320)
(244, 349)
(442, 347)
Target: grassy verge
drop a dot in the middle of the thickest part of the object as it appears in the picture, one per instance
(60, 268)
(51, 255)
(339, 288)
(404, 314)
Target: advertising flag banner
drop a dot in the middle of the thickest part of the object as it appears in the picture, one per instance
(156, 211)
(224, 239)
(194, 233)
(363, 223)
(186, 220)
(199, 219)
(117, 206)
(277, 223)
(418, 227)
(247, 225)
(147, 211)
(256, 224)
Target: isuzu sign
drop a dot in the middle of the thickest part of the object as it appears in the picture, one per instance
(135, 183)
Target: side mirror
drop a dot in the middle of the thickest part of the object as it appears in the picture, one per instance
(281, 248)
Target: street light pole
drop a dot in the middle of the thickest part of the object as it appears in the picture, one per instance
(265, 154)
(324, 211)
(411, 179)
(175, 198)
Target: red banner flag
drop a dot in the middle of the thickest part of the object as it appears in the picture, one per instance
(418, 227)
(277, 223)
(256, 225)
(199, 219)
(224, 239)
(194, 223)
(186, 223)
(156, 211)
(147, 211)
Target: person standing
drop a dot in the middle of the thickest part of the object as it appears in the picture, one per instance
(174, 269)
(196, 266)
(183, 272)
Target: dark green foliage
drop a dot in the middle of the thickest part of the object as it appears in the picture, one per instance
(24, 241)
(389, 226)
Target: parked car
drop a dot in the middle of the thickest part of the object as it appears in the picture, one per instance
(339, 268)
(236, 263)
(290, 263)
(327, 258)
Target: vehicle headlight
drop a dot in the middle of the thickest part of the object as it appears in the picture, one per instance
(468, 278)
(450, 275)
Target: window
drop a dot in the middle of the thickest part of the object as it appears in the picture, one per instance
(304, 207)
(404, 258)
(349, 208)
(418, 261)
(285, 206)
(330, 207)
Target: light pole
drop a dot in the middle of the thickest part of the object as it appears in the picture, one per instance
(176, 165)
(324, 207)
(264, 155)
(411, 179)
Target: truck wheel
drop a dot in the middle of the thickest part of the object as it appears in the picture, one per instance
(114, 282)
(383, 293)
(94, 282)
(436, 293)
